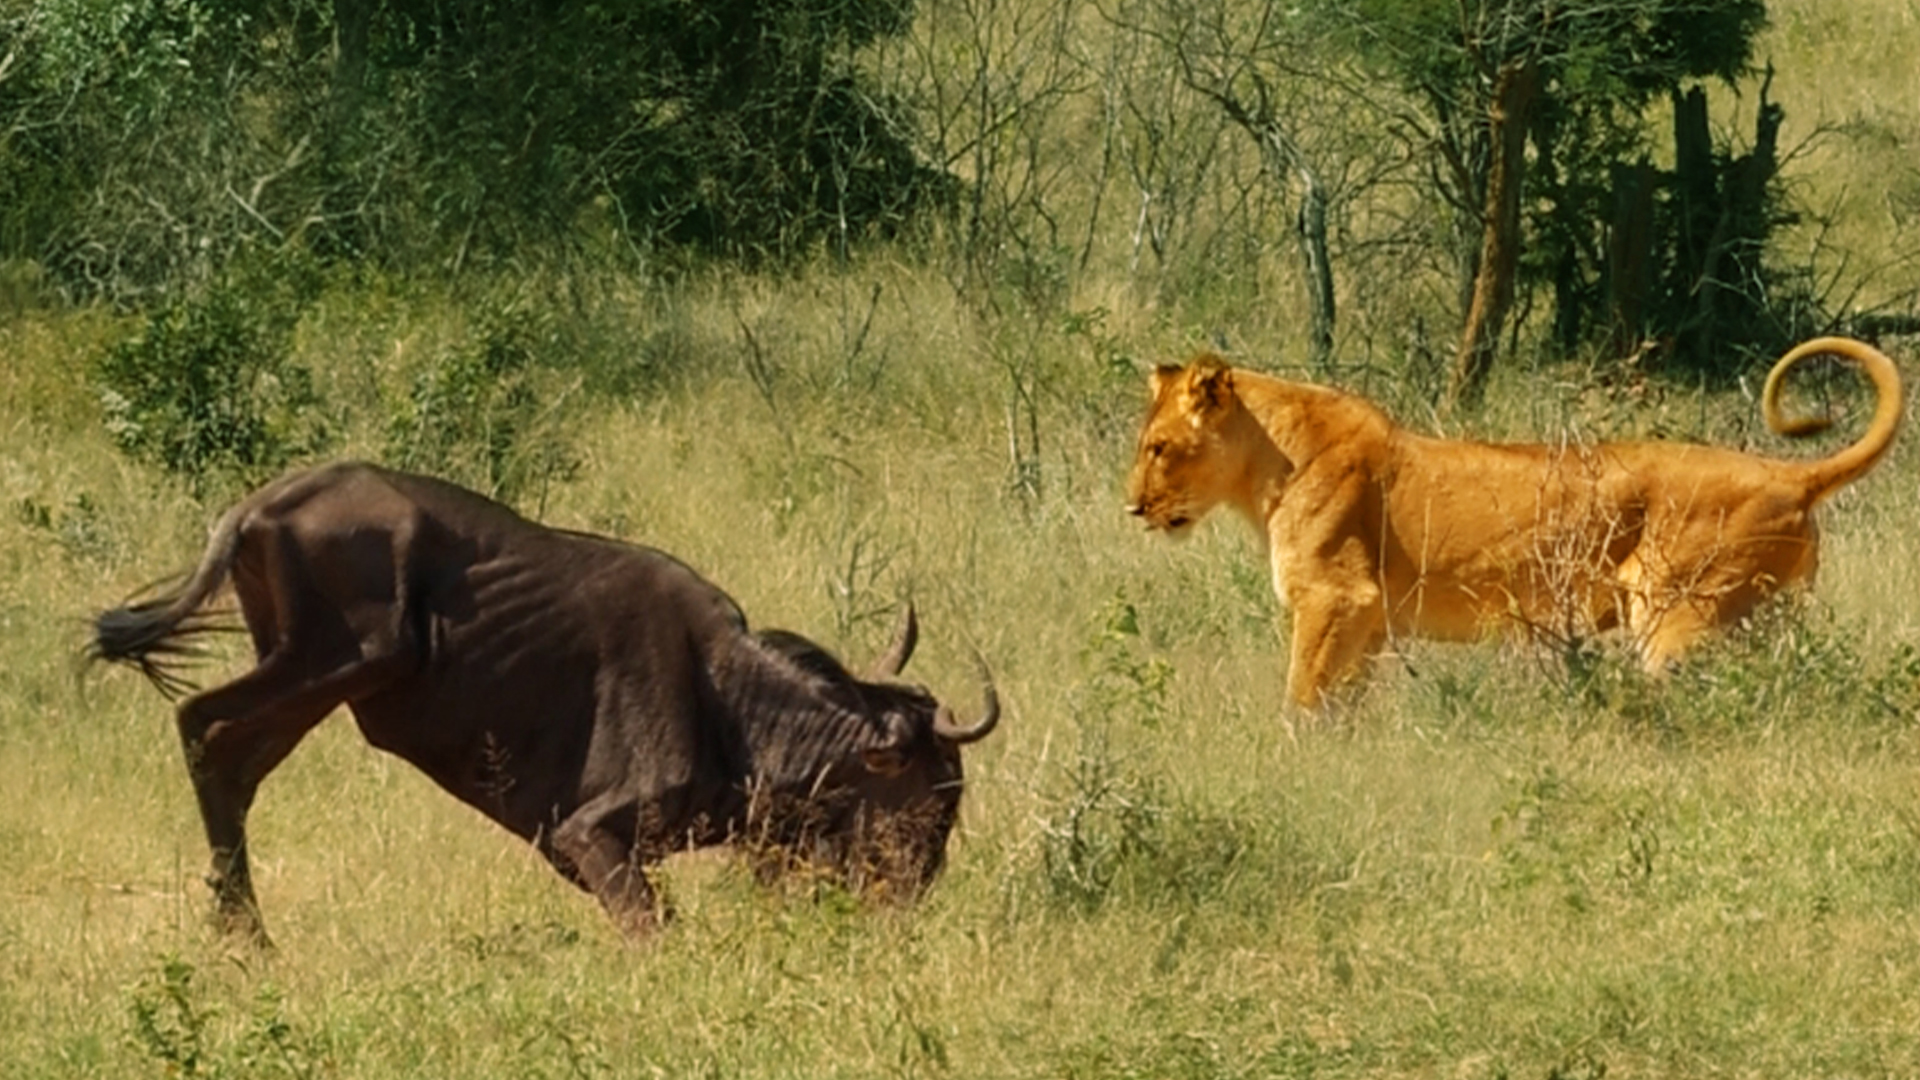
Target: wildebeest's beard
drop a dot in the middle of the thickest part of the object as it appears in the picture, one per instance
(876, 811)
(865, 789)
(878, 851)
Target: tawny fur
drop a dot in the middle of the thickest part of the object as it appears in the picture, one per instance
(1375, 531)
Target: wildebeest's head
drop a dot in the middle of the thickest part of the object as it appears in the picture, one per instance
(878, 809)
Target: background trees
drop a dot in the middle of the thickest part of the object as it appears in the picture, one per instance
(1533, 114)
(1307, 109)
(1486, 174)
(148, 140)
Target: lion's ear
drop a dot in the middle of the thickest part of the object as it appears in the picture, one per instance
(1209, 384)
(1160, 378)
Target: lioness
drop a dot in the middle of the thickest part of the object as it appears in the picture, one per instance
(1375, 530)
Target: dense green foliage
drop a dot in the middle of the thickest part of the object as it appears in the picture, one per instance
(147, 141)
(478, 413)
(207, 387)
(1624, 250)
(144, 144)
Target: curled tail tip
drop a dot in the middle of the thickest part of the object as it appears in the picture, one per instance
(1878, 368)
(1798, 428)
(1851, 462)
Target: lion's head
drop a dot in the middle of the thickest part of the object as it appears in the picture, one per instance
(1186, 461)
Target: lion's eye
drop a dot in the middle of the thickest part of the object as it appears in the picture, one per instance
(1156, 449)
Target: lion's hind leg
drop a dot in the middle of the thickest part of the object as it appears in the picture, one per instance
(1662, 620)
(1668, 617)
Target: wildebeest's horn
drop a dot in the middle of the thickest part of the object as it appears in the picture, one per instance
(943, 722)
(905, 636)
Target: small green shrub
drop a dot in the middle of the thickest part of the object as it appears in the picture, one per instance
(174, 1024)
(485, 411)
(208, 387)
(1117, 834)
(1114, 830)
(1792, 661)
(1123, 684)
(169, 1022)
(1107, 815)
(80, 529)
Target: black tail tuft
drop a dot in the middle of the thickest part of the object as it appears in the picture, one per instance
(150, 636)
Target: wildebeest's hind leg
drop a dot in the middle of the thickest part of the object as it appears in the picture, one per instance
(234, 735)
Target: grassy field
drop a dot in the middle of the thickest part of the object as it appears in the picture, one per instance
(1488, 864)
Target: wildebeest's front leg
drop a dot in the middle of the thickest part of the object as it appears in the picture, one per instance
(607, 861)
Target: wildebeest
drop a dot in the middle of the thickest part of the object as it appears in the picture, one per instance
(599, 699)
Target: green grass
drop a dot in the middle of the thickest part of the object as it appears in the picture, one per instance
(1486, 865)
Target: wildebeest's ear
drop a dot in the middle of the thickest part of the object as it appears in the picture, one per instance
(1160, 378)
(1209, 383)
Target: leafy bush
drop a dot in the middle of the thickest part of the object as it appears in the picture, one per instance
(480, 413)
(1113, 830)
(1109, 817)
(1793, 661)
(207, 386)
(175, 1027)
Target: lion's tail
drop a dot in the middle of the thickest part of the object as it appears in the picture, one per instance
(1829, 474)
(158, 633)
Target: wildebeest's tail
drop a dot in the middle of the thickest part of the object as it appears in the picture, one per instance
(1850, 463)
(157, 634)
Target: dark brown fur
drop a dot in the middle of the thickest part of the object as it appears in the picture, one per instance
(598, 699)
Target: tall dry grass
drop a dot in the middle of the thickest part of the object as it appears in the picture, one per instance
(1487, 864)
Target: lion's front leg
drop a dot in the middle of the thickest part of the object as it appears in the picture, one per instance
(1337, 627)
(1328, 572)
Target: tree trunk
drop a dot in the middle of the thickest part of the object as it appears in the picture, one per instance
(1311, 226)
(1696, 185)
(339, 228)
(1629, 268)
(1732, 302)
(1717, 295)
(352, 21)
(1283, 156)
(1493, 287)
